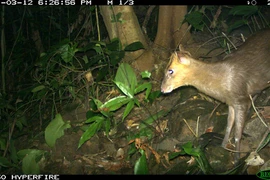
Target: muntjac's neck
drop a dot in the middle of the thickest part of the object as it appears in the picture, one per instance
(208, 77)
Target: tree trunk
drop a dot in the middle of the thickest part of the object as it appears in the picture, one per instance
(170, 33)
(124, 26)
(36, 36)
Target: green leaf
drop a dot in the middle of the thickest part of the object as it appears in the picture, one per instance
(29, 164)
(95, 118)
(153, 95)
(98, 103)
(145, 125)
(67, 52)
(30, 159)
(237, 24)
(187, 147)
(264, 142)
(142, 87)
(116, 57)
(93, 60)
(114, 45)
(4, 162)
(13, 152)
(21, 121)
(38, 88)
(2, 144)
(107, 126)
(98, 48)
(134, 46)
(102, 73)
(199, 156)
(125, 89)
(152, 118)
(146, 74)
(93, 105)
(136, 102)
(176, 154)
(91, 113)
(244, 10)
(190, 150)
(147, 132)
(19, 125)
(42, 93)
(85, 59)
(91, 131)
(55, 130)
(129, 107)
(117, 18)
(115, 103)
(141, 164)
(195, 18)
(22, 153)
(71, 91)
(126, 75)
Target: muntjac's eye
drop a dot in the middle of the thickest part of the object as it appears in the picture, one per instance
(170, 71)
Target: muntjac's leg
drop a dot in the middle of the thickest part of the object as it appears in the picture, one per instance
(230, 122)
(241, 112)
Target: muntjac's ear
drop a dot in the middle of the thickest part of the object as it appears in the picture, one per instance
(181, 48)
(183, 59)
(183, 51)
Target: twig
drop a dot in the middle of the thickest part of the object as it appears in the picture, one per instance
(264, 137)
(190, 128)
(98, 31)
(147, 17)
(234, 151)
(229, 40)
(257, 111)
(197, 127)
(213, 111)
(9, 137)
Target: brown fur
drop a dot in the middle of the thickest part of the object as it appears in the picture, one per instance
(245, 72)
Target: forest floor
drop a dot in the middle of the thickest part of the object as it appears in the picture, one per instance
(193, 117)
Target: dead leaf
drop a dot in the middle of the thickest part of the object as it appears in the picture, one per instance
(89, 77)
(265, 112)
(191, 161)
(254, 159)
(209, 129)
(162, 127)
(120, 154)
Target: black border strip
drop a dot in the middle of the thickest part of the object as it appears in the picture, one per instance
(176, 2)
(132, 2)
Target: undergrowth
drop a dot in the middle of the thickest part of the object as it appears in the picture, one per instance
(76, 63)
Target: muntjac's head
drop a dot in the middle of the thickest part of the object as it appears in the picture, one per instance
(177, 72)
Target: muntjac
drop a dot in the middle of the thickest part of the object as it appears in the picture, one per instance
(245, 73)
